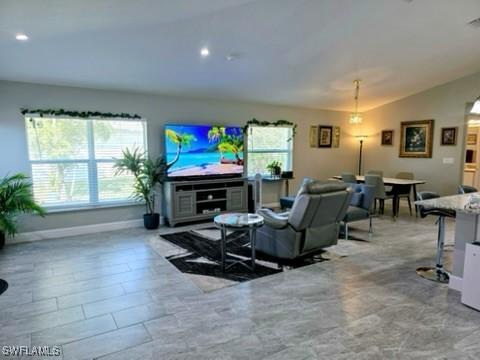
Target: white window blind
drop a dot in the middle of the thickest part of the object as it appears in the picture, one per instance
(72, 160)
(266, 144)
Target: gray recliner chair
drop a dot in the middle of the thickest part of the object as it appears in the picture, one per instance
(311, 224)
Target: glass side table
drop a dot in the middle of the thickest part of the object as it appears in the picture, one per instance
(238, 222)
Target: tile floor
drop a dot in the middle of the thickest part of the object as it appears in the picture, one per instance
(111, 296)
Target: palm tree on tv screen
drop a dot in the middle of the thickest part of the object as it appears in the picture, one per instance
(180, 140)
(233, 144)
(216, 133)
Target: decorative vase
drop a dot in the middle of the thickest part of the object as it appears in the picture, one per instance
(151, 221)
(2, 239)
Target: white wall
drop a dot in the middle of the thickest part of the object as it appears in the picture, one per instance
(446, 104)
(158, 110)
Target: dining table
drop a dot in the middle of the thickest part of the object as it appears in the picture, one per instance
(398, 185)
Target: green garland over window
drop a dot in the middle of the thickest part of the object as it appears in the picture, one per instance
(78, 114)
(283, 123)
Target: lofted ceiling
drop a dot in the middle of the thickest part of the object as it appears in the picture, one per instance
(292, 52)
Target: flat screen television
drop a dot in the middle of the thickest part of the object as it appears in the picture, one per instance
(195, 151)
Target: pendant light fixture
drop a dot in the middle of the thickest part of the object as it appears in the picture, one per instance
(476, 107)
(356, 117)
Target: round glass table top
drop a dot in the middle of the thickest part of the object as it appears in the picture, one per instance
(239, 220)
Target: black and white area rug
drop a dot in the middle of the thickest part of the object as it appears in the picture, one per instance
(197, 253)
(3, 286)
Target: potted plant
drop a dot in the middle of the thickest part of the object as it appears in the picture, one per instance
(147, 174)
(275, 168)
(15, 198)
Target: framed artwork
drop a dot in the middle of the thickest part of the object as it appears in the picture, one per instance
(416, 139)
(387, 137)
(325, 136)
(472, 139)
(449, 136)
(336, 137)
(313, 136)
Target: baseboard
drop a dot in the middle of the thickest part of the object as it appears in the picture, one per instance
(74, 231)
(455, 283)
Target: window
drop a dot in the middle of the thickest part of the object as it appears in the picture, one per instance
(72, 160)
(266, 144)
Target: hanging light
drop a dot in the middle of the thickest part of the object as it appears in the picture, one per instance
(476, 107)
(356, 117)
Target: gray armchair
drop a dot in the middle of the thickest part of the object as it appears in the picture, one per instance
(311, 224)
(361, 204)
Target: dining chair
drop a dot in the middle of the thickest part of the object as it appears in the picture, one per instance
(403, 191)
(375, 172)
(466, 189)
(380, 193)
(349, 178)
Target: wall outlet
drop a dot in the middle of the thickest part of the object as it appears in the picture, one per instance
(448, 160)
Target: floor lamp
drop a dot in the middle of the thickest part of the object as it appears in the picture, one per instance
(361, 138)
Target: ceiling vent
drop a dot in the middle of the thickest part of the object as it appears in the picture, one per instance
(475, 23)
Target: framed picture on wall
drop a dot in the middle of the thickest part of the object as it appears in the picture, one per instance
(336, 137)
(472, 139)
(449, 136)
(325, 136)
(416, 139)
(313, 136)
(387, 137)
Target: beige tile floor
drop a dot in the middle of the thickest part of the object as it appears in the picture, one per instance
(111, 296)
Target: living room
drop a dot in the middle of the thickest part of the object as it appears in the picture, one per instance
(209, 259)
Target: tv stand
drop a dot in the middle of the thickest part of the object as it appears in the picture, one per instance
(187, 201)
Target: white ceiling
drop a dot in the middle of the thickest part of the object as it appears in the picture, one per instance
(295, 52)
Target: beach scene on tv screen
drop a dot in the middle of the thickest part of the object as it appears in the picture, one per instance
(200, 150)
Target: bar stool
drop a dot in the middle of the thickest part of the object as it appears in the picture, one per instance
(466, 189)
(436, 273)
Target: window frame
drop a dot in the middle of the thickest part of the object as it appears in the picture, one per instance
(288, 151)
(93, 184)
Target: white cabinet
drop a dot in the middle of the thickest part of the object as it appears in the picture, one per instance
(471, 277)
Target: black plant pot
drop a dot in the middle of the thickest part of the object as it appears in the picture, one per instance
(276, 171)
(151, 221)
(2, 239)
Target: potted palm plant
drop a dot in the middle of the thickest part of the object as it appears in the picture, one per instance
(147, 174)
(15, 198)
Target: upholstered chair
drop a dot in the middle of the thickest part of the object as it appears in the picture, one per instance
(311, 225)
(375, 172)
(380, 193)
(361, 205)
(404, 190)
(348, 177)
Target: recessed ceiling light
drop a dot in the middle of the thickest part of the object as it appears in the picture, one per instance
(21, 37)
(204, 52)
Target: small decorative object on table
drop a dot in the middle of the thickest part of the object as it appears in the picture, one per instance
(473, 202)
(238, 222)
(275, 168)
